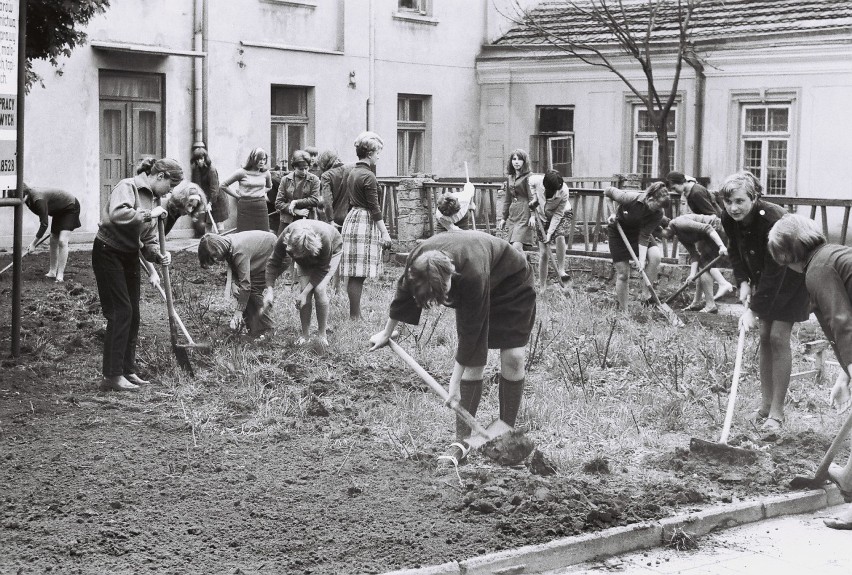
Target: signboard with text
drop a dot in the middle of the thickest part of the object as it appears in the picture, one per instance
(9, 22)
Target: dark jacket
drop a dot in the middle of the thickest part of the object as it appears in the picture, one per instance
(334, 193)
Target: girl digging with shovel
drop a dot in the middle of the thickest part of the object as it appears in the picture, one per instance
(490, 285)
(550, 205)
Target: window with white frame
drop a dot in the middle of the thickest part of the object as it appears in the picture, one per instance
(645, 143)
(765, 135)
(412, 134)
(552, 146)
(290, 121)
(421, 7)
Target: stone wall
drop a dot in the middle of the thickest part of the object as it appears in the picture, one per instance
(413, 222)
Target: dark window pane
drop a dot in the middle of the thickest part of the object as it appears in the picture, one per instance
(289, 101)
(752, 157)
(555, 120)
(645, 157)
(755, 120)
(778, 119)
(415, 110)
(671, 120)
(644, 122)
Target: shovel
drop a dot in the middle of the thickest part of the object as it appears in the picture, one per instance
(165, 299)
(38, 243)
(499, 435)
(664, 307)
(565, 289)
(722, 450)
(181, 351)
(817, 481)
(691, 280)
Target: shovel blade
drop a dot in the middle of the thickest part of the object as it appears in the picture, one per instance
(673, 318)
(497, 428)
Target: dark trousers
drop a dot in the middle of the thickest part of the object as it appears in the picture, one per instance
(117, 274)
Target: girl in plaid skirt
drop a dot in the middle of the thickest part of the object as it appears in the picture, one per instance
(364, 232)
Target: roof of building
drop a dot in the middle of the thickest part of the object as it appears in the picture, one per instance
(711, 20)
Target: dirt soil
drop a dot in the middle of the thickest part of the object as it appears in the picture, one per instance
(94, 483)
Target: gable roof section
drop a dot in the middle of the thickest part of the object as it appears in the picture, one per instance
(712, 20)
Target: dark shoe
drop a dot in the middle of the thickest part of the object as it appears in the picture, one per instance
(135, 379)
(649, 302)
(694, 306)
(117, 384)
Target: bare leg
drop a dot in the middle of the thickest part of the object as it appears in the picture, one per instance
(725, 286)
(842, 476)
(705, 284)
(652, 267)
(543, 260)
(622, 284)
(354, 287)
(776, 362)
(61, 254)
(54, 242)
(560, 255)
(321, 299)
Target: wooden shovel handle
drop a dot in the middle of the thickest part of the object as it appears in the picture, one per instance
(438, 389)
(636, 261)
(822, 470)
(732, 395)
(697, 275)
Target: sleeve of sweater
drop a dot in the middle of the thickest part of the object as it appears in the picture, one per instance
(122, 206)
(241, 267)
(833, 309)
(404, 308)
(559, 211)
(277, 262)
(371, 193)
(507, 198)
(740, 275)
(282, 199)
(621, 196)
(150, 239)
(327, 195)
(39, 208)
(649, 224)
(311, 189)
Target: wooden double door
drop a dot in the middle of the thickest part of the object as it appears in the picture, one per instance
(131, 125)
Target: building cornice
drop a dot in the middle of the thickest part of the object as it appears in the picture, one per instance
(116, 46)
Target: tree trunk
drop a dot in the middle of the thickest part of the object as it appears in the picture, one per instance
(663, 166)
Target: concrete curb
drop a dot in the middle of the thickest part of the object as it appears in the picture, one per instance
(617, 540)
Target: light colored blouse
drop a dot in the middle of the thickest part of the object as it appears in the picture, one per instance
(253, 184)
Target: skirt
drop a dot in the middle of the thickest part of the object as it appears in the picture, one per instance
(362, 245)
(618, 250)
(785, 299)
(252, 215)
(67, 220)
(518, 222)
(561, 229)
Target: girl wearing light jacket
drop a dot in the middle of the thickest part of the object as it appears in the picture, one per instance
(129, 227)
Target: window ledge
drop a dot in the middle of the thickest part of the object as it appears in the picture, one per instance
(415, 18)
(297, 3)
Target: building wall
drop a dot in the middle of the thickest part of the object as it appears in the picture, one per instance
(252, 45)
(817, 76)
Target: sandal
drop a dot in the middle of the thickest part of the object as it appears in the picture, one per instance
(694, 306)
(708, 309)
(457, 453)
(772, 424)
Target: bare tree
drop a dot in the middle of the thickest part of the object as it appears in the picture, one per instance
(642, 30)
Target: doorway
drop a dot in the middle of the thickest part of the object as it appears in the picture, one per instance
(131, 124)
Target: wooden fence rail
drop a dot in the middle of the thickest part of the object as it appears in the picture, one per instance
(588, 228)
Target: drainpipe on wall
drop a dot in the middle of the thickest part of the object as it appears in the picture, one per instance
(693, 61)
(371, 98)
(198, 74)
(205, 70)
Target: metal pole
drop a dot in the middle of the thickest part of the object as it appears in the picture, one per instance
(19, 161)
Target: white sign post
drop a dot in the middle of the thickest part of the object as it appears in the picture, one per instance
(9, 23)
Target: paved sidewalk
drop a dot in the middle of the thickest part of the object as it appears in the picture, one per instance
(794, 544)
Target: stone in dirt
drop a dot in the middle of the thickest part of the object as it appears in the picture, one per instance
(316, 407)
(539, 464)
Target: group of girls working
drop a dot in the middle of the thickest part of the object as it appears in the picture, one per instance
(777, 259)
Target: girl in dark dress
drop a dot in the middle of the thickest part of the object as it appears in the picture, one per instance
(490, 285)
(516, 203)
(774, 295)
